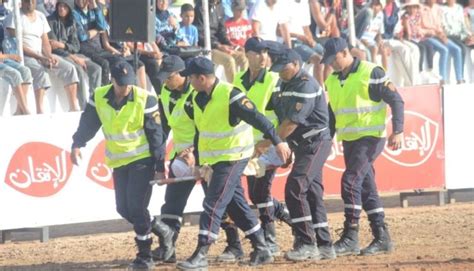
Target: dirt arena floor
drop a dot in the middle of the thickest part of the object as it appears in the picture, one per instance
(427, 237)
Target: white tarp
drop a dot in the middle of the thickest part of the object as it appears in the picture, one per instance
(458, 133)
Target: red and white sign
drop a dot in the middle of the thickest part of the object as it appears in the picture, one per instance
(420, 161)
(41, 187)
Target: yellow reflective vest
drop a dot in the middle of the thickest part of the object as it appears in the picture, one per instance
(356, 114)
(181, 125)
(218, 140)
(260, 94)
(123, 130)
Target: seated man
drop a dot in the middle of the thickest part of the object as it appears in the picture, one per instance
(18, 77)
(39, 57)
(223, 53)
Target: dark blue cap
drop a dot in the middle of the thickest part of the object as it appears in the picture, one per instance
(287, 56)
(123, 73)
(275, 49)
(255, 44)
(169, 65)
(331, 48)
(198, 65)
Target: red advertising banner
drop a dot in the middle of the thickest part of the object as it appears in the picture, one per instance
(418, 164)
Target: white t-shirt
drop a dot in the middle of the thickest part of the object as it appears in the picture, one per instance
(269, 18)
(375, 27)
(299, 16)
(32, 30)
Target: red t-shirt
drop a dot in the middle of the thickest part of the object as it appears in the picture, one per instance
(238, 31)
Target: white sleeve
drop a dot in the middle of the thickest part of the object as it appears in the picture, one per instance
(255, 13)
(281, 13)
(44, 21)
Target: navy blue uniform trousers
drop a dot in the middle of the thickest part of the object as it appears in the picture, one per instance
(358, 188)
(133, 192)
(260, 193)
(225, 193)
(304, 192)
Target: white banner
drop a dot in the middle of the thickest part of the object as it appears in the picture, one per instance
(41, 187)
(458, 133)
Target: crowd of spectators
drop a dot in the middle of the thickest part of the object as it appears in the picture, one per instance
(70, 39)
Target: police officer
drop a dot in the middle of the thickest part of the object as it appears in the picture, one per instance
(222, 114)
(358, 94)
(175, 92)
(304, 123)
(135, 147)
(259, 84)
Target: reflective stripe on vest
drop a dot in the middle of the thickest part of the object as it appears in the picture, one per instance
(239, 129)
(128, 136)
(208, 154)
(129, 154)
(123, 129)
(218, 140)
(356, 114)
(366, 109)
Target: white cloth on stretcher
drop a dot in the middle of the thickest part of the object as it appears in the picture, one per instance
(257, 166)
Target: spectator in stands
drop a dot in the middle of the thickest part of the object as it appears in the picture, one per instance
(167, 27)
(405, 54)
(455, 26)
(415, 33)
(469, 15)
(299, 21)
(65, 42)
(90, 22)
(39, 58)
(338, 8)
(238, 28)
(150, 56)
(323, 26)
(223, 53)
(372, 36)
(186, 27)
(268, 15)
(18, 77)
(431, 21)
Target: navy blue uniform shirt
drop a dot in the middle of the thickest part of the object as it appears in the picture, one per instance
(380, 89)
(301, 100)
(90, 124)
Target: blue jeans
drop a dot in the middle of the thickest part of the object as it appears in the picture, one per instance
(445, 50)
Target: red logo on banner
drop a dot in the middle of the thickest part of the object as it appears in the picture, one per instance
(97, 170)
(419, 141)
(335, 159)
(38, 169)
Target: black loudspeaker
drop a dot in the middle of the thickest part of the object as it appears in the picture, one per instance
(132, 20)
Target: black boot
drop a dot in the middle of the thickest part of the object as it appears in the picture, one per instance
(302, 251)
(270, 238)
(167, 237)
(233, 251)
(143, 259)
(260, 254)
(348, 244)
(284, 216)
(381, 243)
(197, 261)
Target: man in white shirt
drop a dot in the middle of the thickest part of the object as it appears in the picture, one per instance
(39, 58)
(301, 37)
(266, 16)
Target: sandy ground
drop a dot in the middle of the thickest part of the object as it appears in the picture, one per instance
(426, 238)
